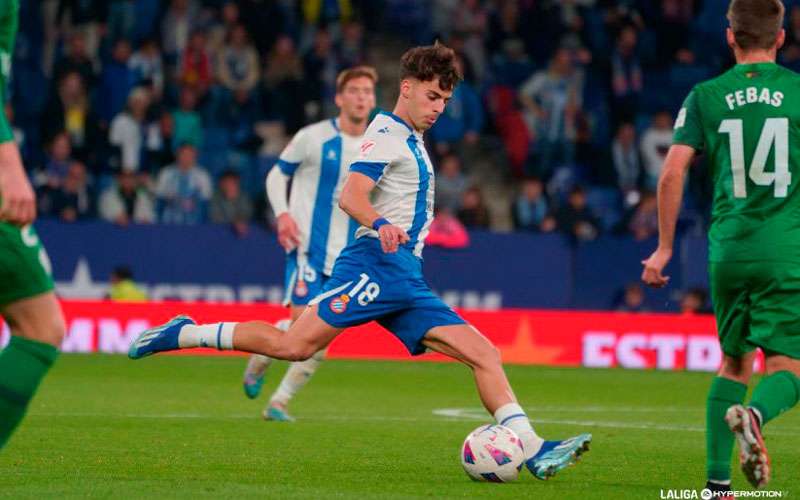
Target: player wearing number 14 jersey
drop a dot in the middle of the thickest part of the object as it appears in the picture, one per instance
(747, 121)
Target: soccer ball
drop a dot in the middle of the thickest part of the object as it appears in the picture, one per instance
(492, 453)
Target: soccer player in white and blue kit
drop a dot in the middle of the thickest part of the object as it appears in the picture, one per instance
(311, 227)
(389, 192)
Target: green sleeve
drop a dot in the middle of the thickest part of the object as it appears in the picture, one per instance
(8, 34)
(688, 124)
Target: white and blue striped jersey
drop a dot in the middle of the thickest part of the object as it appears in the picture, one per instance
(316, 159)
(394, 156)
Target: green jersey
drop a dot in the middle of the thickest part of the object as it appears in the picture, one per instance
(747, 121)
(8, 34)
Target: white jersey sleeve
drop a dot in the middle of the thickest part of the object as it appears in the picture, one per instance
(295, 153)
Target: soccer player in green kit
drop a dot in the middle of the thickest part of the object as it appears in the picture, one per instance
(27, 301)
(748, 123)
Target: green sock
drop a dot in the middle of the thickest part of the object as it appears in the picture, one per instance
(775, 394)
(23, 364)
(723, 394)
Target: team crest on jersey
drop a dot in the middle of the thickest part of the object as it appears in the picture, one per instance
(339, 304)
(366, 147)
(301, 289)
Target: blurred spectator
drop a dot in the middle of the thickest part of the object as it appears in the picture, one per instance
(176, 26)
(126, 202)
(76, 59)
(673, 26)
(350, 49)
(72, 200)
(625, 156)
(116, 81)
(632, 299)
(183, 189)
(791, 49)
(446, 230)
(461, 120)
(237, 65)
(450, 183)
(694, 301)
(552, 101)
(123, 288)
(188, 126)
(69, 110)
(160, 151)
(230, 205)
(643, 221)
(282, 90)
(470, 20)
(129, 132)
(320, 68)
(219, 32)
(57, 162)
(121, 19)
(531, 211)
(575, 219)
(147, 68)
(194, 69)
(84, 16)
(626, 76)
(504, 27)
(473, 212)
(654, 145)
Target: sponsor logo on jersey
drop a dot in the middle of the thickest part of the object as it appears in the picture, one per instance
(339, 304)
(366, 147)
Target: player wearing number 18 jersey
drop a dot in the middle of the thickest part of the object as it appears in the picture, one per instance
(378, 277)
(747, 121)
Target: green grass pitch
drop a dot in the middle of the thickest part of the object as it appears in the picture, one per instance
(180, 427)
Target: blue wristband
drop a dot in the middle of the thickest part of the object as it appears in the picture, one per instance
(377, 223)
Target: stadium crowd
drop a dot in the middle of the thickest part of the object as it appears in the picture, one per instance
(143, 111)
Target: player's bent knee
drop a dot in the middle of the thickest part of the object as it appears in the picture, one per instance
(300, 352)
(739, 369)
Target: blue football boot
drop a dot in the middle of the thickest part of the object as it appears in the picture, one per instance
(158, 339)
(557, 455)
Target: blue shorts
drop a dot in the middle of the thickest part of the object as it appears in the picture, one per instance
(302, 282)
(368, 284)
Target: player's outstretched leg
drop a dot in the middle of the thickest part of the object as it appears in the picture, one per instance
(37, 327)
(777, 393)
(295, 378)
(464, 343)
(306, 336)
(257, 366)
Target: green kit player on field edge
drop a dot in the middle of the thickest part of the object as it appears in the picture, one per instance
(27, 301)
(747, 121)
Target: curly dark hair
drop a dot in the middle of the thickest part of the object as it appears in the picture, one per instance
(431, 61)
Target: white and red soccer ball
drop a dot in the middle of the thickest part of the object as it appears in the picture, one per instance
(492, 453)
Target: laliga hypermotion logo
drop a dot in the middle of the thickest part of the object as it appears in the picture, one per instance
(339, 304)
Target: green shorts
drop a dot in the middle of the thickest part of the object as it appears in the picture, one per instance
(757, 304)
(24, 264)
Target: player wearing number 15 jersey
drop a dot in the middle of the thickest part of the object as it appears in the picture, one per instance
(747, 121)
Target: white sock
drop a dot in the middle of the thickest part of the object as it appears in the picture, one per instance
(216, 335)
(720, 482)
(758, 415)
(513, 416)
(295, 378)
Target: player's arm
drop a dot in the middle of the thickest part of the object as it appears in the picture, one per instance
(277, 185)
(18, 205)
(670, 197)
(354, 200)
(277, 188)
